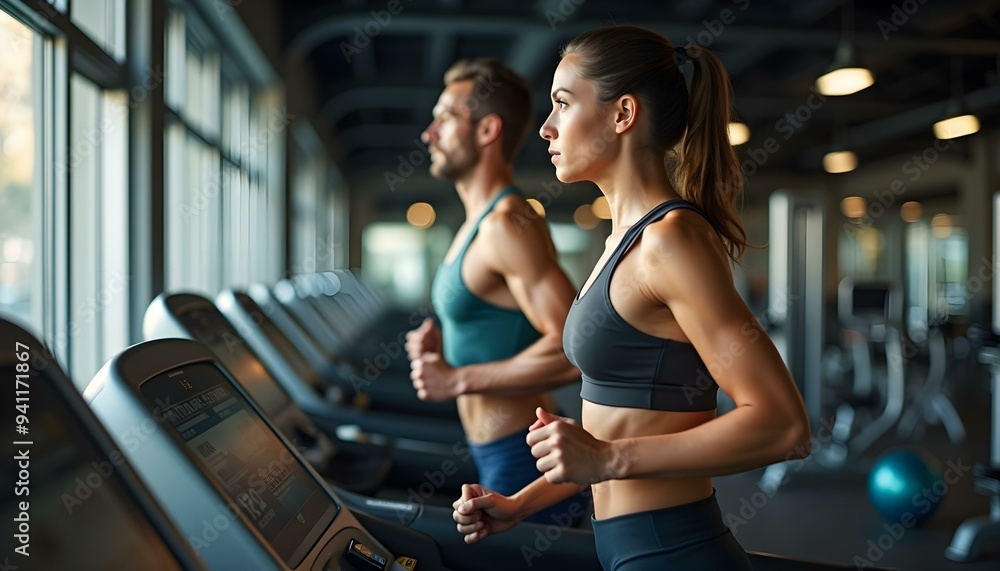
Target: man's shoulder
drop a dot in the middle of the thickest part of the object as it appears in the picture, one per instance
(513, 220)
(512, 215)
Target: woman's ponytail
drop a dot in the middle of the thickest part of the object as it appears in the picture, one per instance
(709, 173)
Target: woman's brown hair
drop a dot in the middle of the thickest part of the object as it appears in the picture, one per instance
(628, 59)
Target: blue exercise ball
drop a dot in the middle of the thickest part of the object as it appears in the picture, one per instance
(903, 487)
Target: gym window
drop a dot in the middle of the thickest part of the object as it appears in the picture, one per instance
(224, 146)
(21, 135)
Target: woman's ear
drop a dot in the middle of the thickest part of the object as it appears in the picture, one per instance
(625, 112)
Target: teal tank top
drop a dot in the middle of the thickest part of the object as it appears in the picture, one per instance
(475, 331)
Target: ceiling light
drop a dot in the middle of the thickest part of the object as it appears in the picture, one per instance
(584, 217)
(539, 209)
(840, 161)
(956, 125)
(853, 206)
(957, 122)
(739, 133)
(941, 225)
(420, 215)
(845, 75)
(601, 209)
(911, 211)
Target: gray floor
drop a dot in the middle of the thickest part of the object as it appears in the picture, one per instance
(826, 515)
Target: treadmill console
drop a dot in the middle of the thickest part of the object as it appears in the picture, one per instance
(241, 494)
(194, 317)
(287, 506)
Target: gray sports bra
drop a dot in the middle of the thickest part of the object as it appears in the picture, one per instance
(623, 366)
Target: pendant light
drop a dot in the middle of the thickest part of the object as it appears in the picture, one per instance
(846, 75)
(957, 121)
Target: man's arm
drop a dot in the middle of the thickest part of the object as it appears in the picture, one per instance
(521, 251)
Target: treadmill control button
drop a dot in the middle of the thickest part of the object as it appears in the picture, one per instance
(363, 554)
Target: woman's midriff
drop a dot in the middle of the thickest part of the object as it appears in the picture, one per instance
(621, 497)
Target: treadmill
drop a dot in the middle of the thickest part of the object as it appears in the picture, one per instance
(332, 439)
(366, 386)
(383, 367)
(73, 502)
(248, 500)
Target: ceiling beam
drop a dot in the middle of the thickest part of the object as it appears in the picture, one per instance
(360, 98)
(921, 118)
(406, 24)
(400, 137)
(690, 9)
(529, 53)
(364, 65)
(421, 99)
(392, 140)
(440, 52)
(803, 14)
(539, 45)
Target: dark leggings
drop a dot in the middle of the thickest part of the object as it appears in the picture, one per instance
(690, 536)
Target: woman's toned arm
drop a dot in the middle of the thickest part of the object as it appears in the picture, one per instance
(686, 269)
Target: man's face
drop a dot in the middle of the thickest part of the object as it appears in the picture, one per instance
(450, 137)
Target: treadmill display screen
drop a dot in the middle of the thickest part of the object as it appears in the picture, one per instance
(254, 467)
(212, 329)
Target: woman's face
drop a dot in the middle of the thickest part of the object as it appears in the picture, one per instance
(580, 130)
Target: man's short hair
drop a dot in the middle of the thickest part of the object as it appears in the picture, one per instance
(498, 90)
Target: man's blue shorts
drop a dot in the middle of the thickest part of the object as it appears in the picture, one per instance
(506, 465)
